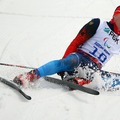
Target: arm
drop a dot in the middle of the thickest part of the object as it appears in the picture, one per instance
(84, 34)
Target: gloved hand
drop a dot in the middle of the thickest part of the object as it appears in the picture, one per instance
(61, 74)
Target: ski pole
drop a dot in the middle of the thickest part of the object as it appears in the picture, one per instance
(20, 66)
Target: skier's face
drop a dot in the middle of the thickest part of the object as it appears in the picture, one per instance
(116, 17)
(117, 20)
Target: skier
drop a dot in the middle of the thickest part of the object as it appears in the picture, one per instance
(94, 45)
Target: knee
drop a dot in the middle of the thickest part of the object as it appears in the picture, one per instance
(70, 61)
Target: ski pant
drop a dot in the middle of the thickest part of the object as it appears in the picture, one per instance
(67, 64)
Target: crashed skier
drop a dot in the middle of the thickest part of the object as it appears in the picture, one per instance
(93, 46)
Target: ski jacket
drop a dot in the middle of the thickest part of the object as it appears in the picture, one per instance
(97, 39)
(84, 34)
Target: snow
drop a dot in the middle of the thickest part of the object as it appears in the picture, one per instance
(33, 32)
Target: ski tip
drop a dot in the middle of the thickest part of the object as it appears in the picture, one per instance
(97, 93)
(28, 98)
(94, 92)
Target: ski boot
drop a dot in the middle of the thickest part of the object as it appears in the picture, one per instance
(24, 79)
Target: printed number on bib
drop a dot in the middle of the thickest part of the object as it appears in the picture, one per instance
(101, 56)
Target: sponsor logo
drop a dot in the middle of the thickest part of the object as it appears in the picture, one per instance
(114, 37)
(107, 30)
(112, 34)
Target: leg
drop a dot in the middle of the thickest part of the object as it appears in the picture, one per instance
(66, 64)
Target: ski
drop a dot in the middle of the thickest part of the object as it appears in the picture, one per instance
(12, 85)
(71, 85)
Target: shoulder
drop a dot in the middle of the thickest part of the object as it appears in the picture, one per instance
(93, 25)
(94, 22)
